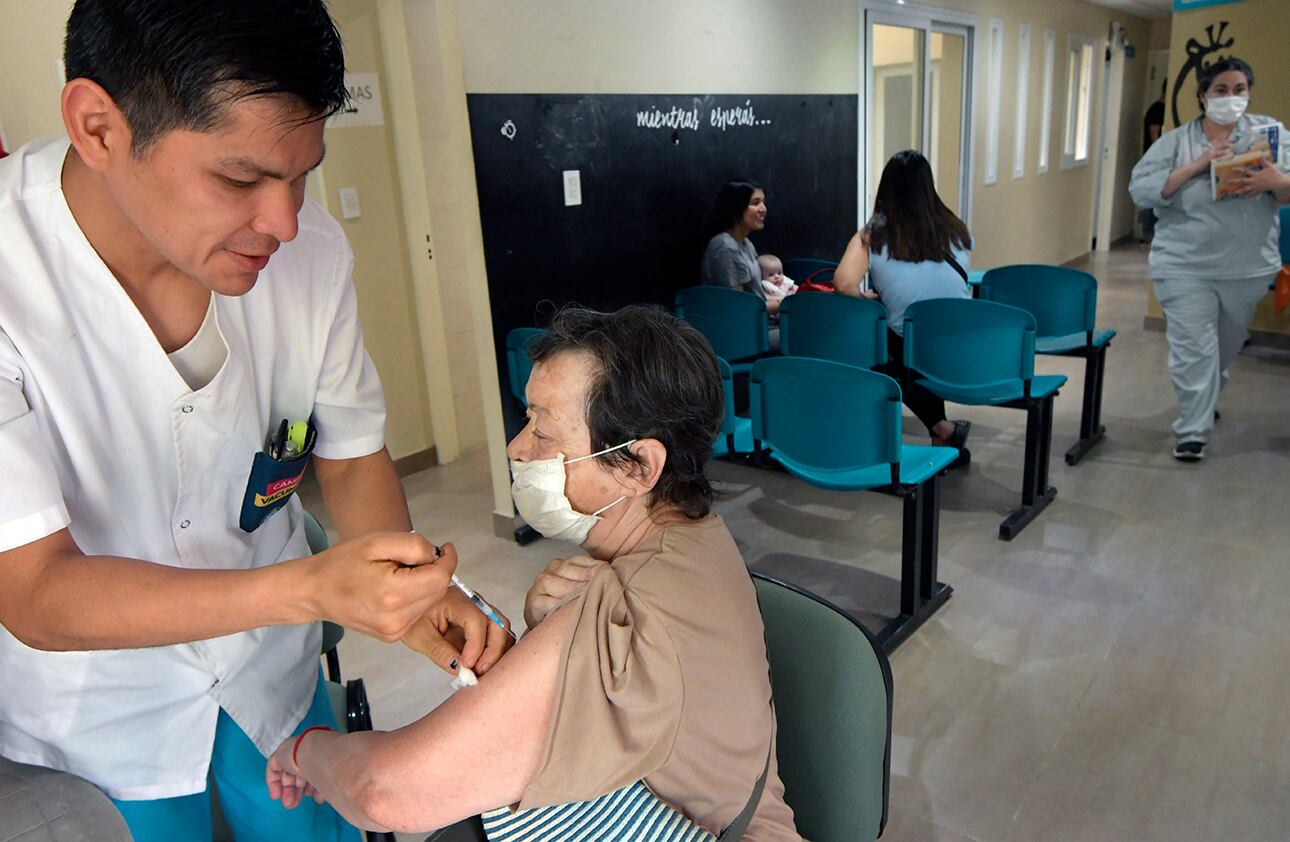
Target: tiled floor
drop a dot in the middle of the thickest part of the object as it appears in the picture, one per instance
(1117, 672)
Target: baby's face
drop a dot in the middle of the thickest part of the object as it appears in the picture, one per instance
(772, 270)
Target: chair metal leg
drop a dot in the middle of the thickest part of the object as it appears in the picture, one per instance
(911, 551)
(1091, 430)
(333, 666)
(920, 594)
(1036, 493)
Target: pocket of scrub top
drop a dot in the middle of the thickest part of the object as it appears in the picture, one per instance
(270, 486)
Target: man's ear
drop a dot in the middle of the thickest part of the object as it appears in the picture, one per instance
(94, 123)
(641, 476)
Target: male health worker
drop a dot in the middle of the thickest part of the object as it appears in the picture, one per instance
(167, 298)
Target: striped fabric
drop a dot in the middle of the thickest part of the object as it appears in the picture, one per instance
(630, 814)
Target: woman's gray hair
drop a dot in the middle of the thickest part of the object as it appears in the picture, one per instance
(655, 377)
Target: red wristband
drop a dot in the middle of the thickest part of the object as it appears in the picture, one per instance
(296, 747)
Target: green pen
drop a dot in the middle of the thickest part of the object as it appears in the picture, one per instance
(295, 444)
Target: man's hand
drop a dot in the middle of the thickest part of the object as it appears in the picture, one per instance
(379, 584)
(454, 633)
(562, 577)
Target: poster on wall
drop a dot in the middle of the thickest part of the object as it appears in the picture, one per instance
(364, 106)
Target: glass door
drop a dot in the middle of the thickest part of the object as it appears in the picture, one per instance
(917, 86)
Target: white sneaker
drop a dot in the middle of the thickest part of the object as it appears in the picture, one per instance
(1189, 451)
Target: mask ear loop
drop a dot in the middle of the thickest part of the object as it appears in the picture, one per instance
(603, 509)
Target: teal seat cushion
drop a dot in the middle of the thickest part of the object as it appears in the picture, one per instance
(1072, 342)
(916, 465)
(743, 438)
(992, 394)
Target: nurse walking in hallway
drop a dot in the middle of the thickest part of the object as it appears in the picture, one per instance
(1211, 261)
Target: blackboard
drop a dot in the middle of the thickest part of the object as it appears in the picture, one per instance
(651, 166)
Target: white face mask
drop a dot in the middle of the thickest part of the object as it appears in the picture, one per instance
(1226, 110)
(538, 490)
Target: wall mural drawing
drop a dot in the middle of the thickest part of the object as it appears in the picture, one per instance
(1199, 57)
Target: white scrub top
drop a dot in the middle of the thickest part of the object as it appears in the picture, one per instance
(100, 433)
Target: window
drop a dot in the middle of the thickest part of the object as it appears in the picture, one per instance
(1023, 97)
(1079, 100)
(1046, 98)
(992, 99)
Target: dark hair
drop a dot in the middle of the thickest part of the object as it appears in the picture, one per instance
(909, 218)
(177, 63)
(1209, 73)
(731, 203)
(656, 377)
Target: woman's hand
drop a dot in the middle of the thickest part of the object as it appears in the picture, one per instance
(562, 577)
(286, 784)
(1264, 178)
(1185, 173)
(454, 633)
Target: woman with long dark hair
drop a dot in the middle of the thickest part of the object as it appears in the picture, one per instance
(730, 260)
(914, 248)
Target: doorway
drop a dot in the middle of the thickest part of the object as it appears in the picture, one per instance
(916, 68)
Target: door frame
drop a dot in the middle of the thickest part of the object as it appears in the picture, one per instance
(930, 19)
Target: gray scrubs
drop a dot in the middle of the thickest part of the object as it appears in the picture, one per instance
(1211, 263)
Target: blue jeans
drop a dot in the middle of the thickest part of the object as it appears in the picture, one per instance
(238, 769)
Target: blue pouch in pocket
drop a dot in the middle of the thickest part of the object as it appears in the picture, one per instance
(271, 484)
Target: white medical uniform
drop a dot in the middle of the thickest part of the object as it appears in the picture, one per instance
(1211, 263)
(99, 433)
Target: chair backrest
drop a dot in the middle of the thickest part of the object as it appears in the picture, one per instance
(969, 342)
(1285, 235)
(728, 389)
(734, 321)
(518, 364)
(834, 327)
(832, 687)
(801, 406)
(1062, 300)
(315, 534)
(798, 268)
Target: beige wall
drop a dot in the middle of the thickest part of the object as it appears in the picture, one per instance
(363, 158)
(31, 49)
(659, 46)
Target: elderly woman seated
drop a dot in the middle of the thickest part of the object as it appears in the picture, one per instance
(643, 662)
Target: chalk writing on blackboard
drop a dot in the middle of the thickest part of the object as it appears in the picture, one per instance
(508, 129)
(674, 118)
(688, 118)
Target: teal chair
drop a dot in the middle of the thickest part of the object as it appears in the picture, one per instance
(791, 395)
(735, 438)
(518, 364)
(1285, 235)
(983, 353)
(1064, 304)
(832, 686)
(833, 327)
(735, 322)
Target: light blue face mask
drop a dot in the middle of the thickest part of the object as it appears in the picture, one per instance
(537, 487)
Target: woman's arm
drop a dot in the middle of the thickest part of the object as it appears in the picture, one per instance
(852, 267)
(1185, 173)
(476, 751)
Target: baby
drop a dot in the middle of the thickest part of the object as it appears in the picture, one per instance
(773, 280)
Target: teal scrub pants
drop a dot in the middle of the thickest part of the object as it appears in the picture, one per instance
(238, 769)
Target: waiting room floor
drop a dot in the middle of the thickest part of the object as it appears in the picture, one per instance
(1117, 672)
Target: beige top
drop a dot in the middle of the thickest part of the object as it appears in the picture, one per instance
(663, 676)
